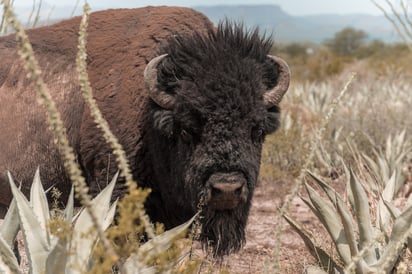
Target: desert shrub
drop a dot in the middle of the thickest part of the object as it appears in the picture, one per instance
(311, 62)
(346, 42)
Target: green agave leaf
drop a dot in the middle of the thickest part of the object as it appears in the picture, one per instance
(10, 225)
(37, 247)
(384, 169)
(110, 215)
(393, 210)
(325, 260)
(383, 214)
(38, 202)
(349, 229)
(313, 208)
(399, 236)
(372, 164)
(361, 208)
(58, 257)
(348, 226)
(84, 234)
(8, 262)
(159, 244)
(68, 211)
(348, 188)
(332, 223)
(394, 213)
(314, 269)
(333, 196)
(330, 192)
(343, 211)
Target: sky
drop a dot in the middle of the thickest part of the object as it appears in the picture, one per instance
(293, 7)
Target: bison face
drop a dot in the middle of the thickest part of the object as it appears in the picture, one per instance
(214, 125)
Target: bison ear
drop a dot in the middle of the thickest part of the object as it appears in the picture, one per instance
(272, 120)
(277, 72)
(160, 97)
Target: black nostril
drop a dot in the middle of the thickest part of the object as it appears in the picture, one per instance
(216, 191)
(238, 191)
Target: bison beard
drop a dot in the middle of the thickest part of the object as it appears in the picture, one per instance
(224, 230)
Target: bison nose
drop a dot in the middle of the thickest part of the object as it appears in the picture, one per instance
(226, 190)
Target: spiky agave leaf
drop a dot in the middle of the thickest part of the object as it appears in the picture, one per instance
(57, 259)
(136, 263)
(361, 208)
(8, 262)
(383, 214)
(68, 211)
(332, 194)
(332, 223)
(84, 235)
(314, 269)
(326, 261)
(38, 202)
(334, 197)
(36, 244)
(10, 225)
(348, 227)
(393, 210)
(59, 255)
(399, 237)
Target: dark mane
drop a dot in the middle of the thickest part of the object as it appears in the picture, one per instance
(229, 38)
(226, 54)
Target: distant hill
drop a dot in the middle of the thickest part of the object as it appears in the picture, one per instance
(270, 18)
(313, 28)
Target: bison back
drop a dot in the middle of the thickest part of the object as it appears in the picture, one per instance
(120, 44)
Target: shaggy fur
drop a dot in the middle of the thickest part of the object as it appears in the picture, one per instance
(218, 124)
(217, 75)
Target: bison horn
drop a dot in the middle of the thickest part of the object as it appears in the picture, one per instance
(160, 97)
(273, 96)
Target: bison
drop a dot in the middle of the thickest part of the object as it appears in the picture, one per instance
(190, 102)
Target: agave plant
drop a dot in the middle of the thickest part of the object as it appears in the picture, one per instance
(362, 246)
(69, 247)
(389, 161)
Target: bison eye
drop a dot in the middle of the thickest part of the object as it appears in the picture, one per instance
(257, 134)
(186, 136)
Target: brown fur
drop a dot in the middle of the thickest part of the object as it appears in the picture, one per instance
(118, 50)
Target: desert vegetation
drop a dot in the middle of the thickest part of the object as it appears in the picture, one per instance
(344, 149)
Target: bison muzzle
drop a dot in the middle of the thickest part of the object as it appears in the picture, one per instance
(191, 104)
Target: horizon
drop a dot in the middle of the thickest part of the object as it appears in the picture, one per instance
(292, 7)
(315, 27)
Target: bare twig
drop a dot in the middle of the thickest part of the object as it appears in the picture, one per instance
(395, 25)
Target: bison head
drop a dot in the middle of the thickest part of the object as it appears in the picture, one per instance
(214, 99)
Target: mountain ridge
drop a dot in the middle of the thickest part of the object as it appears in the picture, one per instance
(302, 28)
